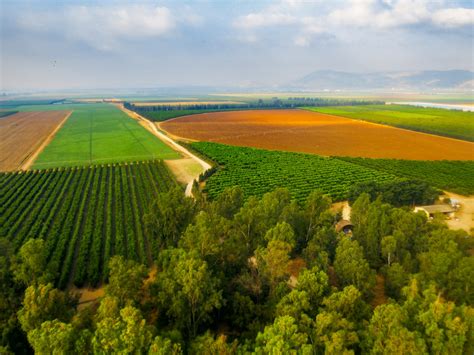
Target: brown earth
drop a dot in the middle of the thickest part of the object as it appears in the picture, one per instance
(311, 132)
(23, 134)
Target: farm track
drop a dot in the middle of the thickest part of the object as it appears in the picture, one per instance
(179, 148)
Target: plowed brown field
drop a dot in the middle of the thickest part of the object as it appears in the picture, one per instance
(311, 132)
(23, 134)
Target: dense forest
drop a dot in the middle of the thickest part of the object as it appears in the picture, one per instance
(265, 275)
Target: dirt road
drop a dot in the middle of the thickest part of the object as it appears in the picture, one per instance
(153, 129)
(464, 217)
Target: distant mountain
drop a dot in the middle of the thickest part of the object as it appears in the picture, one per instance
(421, 80)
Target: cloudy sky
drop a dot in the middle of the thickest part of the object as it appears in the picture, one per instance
(115, 44)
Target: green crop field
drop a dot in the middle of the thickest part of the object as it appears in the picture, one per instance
(99, 133)
(159, 116)
(450, 123)
(454, 176)
(85, 215)
(259, 171)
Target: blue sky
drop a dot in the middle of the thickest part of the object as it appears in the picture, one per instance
(118, 44)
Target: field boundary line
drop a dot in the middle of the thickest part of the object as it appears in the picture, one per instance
(154, 130)
(26, 165)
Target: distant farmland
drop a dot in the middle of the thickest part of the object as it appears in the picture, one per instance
(85, 215)
(311, 132)
(22, 134)
(450, 123)
(101, 133)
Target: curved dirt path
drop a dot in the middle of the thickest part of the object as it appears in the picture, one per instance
(150, 126)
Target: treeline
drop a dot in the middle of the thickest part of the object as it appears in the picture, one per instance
(398, 193)
(12, 103)
(258, 276)
(274, 103)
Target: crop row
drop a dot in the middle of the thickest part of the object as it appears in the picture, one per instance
(450, 175)
(259, 171)
(85, 215)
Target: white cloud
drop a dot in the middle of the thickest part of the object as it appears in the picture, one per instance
(309, 20)
(105, 27)
(454, 17)
(256, 20)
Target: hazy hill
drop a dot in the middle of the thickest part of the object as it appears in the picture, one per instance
(429, 79)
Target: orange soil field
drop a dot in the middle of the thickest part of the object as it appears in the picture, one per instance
(23, 133)
(311, 132)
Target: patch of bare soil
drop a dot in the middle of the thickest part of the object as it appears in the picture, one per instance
(24, 134)
(379, 292)
(317, 133)
(88, 296)
(464, 217)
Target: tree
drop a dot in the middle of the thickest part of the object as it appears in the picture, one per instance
(352, 268)
(388, 335)
(461, 281)
(389, 246)
(334, 334)
(164, 346)
(315, 283)
(42, 303)
(316, 205)
(282, 337)
(29, 266)
(207, 344)
(125, 279)
(229, 202)
(122, 331)
(12, 338)
(206, 235)
(445, 327)
(297, 305)
(283, 232)
(441, 258)
(273, 262)
(169, 215)
(186, 290)
(52, 337)
(377, 226)
(348, 303)
(396, 278)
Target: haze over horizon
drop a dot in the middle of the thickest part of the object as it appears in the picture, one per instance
(91, 44)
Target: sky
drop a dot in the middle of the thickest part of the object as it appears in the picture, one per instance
(222, 43)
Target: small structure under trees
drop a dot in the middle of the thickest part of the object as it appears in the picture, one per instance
(344, 226)
(432, 210)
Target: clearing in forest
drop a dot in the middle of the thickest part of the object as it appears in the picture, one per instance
(311, 132)
(23, 134)
(101, 133)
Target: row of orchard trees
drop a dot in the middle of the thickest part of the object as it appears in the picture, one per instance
(271, 274)
(274, 103)
(84, 215)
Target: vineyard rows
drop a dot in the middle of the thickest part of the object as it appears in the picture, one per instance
(85, 215)
(450, 175)
(259, 171)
